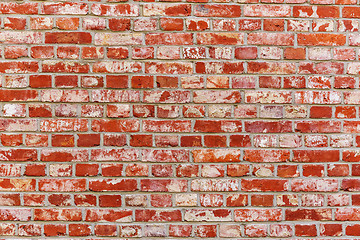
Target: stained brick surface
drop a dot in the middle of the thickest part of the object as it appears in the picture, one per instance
(179, 119)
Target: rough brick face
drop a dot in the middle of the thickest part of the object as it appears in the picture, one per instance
(179, 119)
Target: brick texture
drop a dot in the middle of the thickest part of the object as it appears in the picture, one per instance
(179, 119)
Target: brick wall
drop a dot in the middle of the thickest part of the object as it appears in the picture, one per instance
(174, 120)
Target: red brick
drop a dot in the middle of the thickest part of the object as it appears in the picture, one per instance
(114, 140)
(217, 126)
(119, 10)
(88, 140)
(64, 214)
(92, 52)
(262, 200)
(219, 67)
(249, 24)
(169, 38)
(246, 53)
(15, 8)
(35, 170)
(113, 185)
(330, 229)
(168, 67)
(115, 170)
(311, 170)
(115, 125)
(271, 67)
(267, 10)
(316, 156)
(316, 141)
(108, 215)
(137, 170)
(321, 39)
(206, 231)
(166, 126)
(274, 25)
(305, 230)
(110, 201)
(157, 215)
(318, 11)
(197, 24)
(30, 230)
(314, 185)
(106, 230)
(264, 185)
(119, 24)
(142, 82)
(87, 169)
(65, 8)
(169, 24)
(320, 112)
(308, 214)
(236, 200)
(14, 23)
(167, 10)
(217, 10)
(163, 185)
(220, 38)
(180, 230)
(67, 23)
(114, 154)
(250, 215)
(68, 37)
(282, 39)
(350, 12)
(54, 229)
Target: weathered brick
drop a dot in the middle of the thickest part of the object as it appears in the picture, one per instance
(184, 120)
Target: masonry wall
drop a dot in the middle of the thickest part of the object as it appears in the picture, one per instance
(174, 120)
